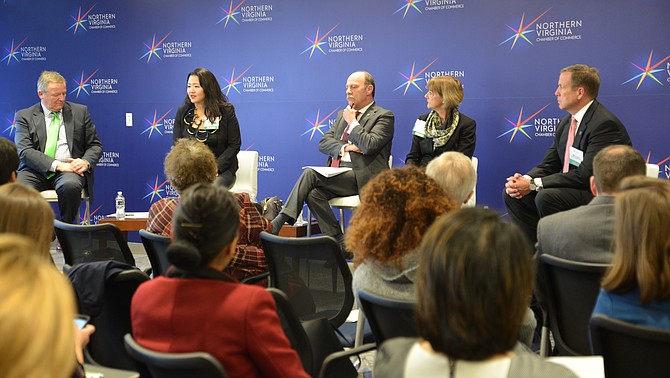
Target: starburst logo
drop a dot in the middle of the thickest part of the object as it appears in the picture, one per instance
(230, 12)
(317, 41)
(318, 123)
(154, 123)
(80, 19)
(409, 4)
(413, 78)
(12, 51)
(12, 125)
(522, 30)
(155, 190)
(234, 81)
(648, 71)
(82, 216)
(153, 49)
(520, 124)
(83, 83)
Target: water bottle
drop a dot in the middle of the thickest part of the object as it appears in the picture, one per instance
(120, 206)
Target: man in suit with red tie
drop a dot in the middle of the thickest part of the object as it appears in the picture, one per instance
(359, 139)
(561, 181)
(58, 145)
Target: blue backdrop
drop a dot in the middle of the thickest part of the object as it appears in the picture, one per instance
(283, 64)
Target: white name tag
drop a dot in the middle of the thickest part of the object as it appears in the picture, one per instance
(211, 125)
(576, 157)
(419, 128)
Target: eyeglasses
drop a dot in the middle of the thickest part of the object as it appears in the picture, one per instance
(193, 121)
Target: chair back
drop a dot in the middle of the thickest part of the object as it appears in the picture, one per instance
(293, 329)
(247, 174)
(174, 365)
(652, 170)
(388, 317)
(313, 273)
(88, 243)
(630, 350)
(568, 290)
(156, 247)
(111, 288)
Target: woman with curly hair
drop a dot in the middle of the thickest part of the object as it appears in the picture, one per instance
(397, 207)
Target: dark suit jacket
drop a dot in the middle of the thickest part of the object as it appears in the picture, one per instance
(581, 234)
(462, 140)
(225, 143)
(373, 137)
(598, 129)
(31, 138)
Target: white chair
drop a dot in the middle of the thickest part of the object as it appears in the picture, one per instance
(473, 200)
(340, 203)
(52, 196)
(247, 174)
(652, 170)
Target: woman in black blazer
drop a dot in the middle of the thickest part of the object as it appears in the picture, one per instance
(208, 117)
(444, 128)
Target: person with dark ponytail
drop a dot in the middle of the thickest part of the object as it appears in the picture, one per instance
(198, 307)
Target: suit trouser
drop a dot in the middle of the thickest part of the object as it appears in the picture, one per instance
(316, 190)
(68, 186)
(527, 211)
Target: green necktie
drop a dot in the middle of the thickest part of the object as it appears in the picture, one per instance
(52, 139)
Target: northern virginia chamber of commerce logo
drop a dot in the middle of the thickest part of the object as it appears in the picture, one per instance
(414, 77)
(109, 159)
(329, 43)
(237, 12)
(415, 6)
(162, 48)
(85, 20)
(543, 31)
(649, 70)
(18, 52)
(663, 165)
(95, 216)
(544, 127)
(240, 82)
(158, 123)
(90, 84)
(318, 123)
(10, 121)
(156, 190)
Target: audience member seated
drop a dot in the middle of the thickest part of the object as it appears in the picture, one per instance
(9, 161)
(636, 288)
(37, 309)
(188, 162)
(585, 233)
(198, 307)
(473, 287)
(455, 174)
(444, 128)
(23, 211)
(249, 259)
(397, 207)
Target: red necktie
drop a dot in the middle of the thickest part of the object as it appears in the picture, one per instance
(571, 139)
(345, 138)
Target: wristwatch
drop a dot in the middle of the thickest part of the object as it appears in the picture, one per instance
(532, 186)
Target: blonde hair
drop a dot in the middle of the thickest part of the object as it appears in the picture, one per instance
(450, 88)
(36, 310)
(641, 245)
(455, 174)
(47, 77)
(23, 211)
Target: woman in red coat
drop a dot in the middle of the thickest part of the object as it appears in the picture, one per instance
(197, 307)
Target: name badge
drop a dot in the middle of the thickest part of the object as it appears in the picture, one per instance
(576, 157)
(211, 125)
(419, 128)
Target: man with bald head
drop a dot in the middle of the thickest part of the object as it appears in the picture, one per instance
(359, 139)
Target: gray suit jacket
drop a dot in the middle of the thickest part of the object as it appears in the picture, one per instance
(31, 138)
(582, 234)
(373, 137)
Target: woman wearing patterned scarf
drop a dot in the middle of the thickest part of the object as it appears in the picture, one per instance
(444, 128)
